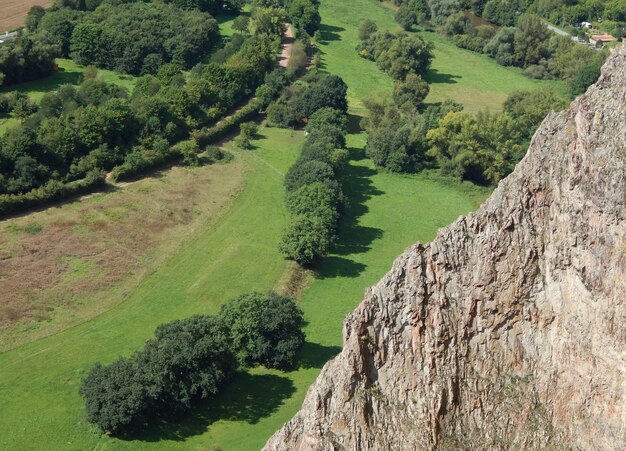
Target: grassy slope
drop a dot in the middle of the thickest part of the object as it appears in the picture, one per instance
(39, 403)
(475, 80)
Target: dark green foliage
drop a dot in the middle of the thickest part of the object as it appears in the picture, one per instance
(412, 91)
(503, 12)
(266, 329)
(529, 108)
(304, 15)
(34, 17)
(313, 193)
(306, 239)
(96, 127)
(327, 116)
(27, 58)
(308, 172)
(187, 360)
(316, 199)
(314, 93)
(122, 37)
(530, 41)
(116, 399)
(405, 17)
(586, 75)
(501, 46)
(329, 92)
(59, 24)
(397, 54)
(440, 10)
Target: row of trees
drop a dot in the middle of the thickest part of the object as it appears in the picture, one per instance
(98, 125)
(27, 58)
(482, 148)
(313, 192)
(192, 359)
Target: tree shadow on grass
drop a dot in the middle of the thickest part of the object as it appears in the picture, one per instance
(330, 33)
(49, 83)
(334, 266)
(358, 188)
(315, 355)
(246, 397)
(354, 124)
(434, 76)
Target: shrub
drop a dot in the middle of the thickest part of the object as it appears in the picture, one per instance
(266, 329)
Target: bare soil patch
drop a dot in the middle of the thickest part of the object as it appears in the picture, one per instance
(13, 12)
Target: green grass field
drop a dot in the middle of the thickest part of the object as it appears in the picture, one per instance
(39, 404)
(475, 80)
(69, 73)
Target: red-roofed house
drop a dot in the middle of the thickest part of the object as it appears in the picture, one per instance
(601, 39)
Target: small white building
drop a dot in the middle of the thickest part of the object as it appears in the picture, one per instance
(586, 25)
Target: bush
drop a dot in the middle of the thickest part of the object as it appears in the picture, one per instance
(266, 329)
(53, 191)
(207, 136)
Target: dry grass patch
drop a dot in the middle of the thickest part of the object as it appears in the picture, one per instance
(69, 263)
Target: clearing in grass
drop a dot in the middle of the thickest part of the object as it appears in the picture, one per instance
(474, 80)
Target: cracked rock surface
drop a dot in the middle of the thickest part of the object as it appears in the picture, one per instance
(508, 331)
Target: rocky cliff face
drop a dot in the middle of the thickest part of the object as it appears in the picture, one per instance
(508, 331)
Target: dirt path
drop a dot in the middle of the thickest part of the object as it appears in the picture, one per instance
(287, 46)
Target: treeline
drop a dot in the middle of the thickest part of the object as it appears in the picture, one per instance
(522, 41)
(506, 13)
(128, 36)
(192, 359)
(482, 148)
(531, 46)
(97, 126)
(313, 194)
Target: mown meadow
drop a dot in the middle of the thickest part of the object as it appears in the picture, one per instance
(237, 252)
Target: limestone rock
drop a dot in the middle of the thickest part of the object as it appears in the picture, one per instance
(508, 331)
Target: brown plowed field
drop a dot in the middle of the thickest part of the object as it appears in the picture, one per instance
(13, 12)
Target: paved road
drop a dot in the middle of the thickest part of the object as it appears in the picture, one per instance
(558, 31)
